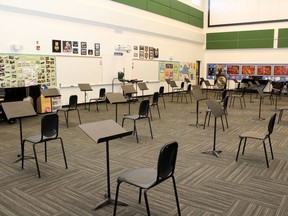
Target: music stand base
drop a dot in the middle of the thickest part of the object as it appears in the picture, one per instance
(197, 125)
(108, 201)
(215, 153)
(259, 119)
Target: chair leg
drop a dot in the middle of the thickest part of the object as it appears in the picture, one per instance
(66, 118)
(190, 98)
(270, 144)
(22, 153)
(150, 127)
(244, 102)
(135, 131)
(209, 117)
(158, 112)
(205, 120)
(245, 140)
(151, 114)
(164, 102)
(140, 195)
(267, 162)
(45, 147)
(238, 149)
(35, 156)
(226, 120)
(222, 123)
(106, 105)
(79, 116)
(97, 108)
(116, 198)
(280, 115)
(147, 204)
(63, 151)
(241, 102)
(176, 196)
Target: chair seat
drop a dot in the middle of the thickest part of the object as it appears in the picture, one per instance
(140, 177)
(37, 138)
(133, 117)
(254, 135)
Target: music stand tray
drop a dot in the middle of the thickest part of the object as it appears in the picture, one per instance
(52, 92)
(116, 98)
(217, 111)
(85, 87)
(104, 131)
(19, 110)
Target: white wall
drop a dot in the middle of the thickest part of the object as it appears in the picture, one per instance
(109, 23)
(248, 55)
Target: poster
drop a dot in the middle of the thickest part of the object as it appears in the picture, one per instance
(18, 70)
(169, 70)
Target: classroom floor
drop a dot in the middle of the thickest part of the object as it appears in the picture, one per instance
(207, 185)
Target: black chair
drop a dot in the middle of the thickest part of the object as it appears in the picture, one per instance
(49, 132)
(262, 136)
(142, 114)
(101, 98)
(187, 92)
(161, 94)
(240, 95)
(155, 103)
(73, 100)
(223, 96)
(147, 178)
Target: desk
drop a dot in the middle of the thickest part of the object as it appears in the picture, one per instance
(19, 110)
(85, 87)
(104, 131)
(116, 98)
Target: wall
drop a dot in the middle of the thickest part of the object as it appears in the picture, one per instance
(27, 22)
(260, 55)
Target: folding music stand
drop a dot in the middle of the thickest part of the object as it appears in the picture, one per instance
(217, 111)
(198, 97)
(104, 131)
(19, 110)
(168, 83)
(261, 95)
(129, 90)
(85, 87)
(174, 87)
(142, 87)
(116, 98)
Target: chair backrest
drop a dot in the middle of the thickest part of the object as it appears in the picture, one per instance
(189, 88)
(271, 123)
(243, 91)
(49, 126)
(155, 98)
(144, 108)
(167, 161)
(73, 100)
(161, 90)
(224, 94)
(182, 85)
(102, 93)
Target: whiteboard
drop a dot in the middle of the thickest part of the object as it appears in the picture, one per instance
(72, 70)
(146, 70)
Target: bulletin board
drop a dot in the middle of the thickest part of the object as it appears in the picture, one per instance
(18, 70)
(72, 70)
(146, 70)
(169, 70)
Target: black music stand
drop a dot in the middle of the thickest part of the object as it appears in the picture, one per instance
(104, 131)
(19, 110)
(142, 87)
(173, 85)
(168, 83)
(85, 87)
(217, 111)
(129, 90)
(261, 95)
(198, 97)
(116, 98)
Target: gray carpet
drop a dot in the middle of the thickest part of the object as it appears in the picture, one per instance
(207, 185)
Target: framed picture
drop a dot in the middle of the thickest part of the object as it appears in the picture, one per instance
(83, 45)
(67, 46)
(83, 51)
(75, 43)
(97, 46)
(90, 52)
(56, 46)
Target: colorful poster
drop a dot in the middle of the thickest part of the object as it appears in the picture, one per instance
(281, 70)
(169, 70)
(18, 70)
(248, 69)
(264, 70)
(233, 69)
(187, 70)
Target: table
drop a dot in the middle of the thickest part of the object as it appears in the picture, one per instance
(104, 131)
(19, 110)
(85, 87)
(116, 98)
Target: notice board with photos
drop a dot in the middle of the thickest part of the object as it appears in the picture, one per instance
(18, 70)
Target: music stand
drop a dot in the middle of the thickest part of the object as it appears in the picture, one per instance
(261, 95)
(129, 90)
(142, 87)
(198, 97)
(85, 87)
(116, 98)
(168, 83)
(52, 92)
(187, 80)
(217, 111)
(174, 85)
(104, 131)
(19, 110)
